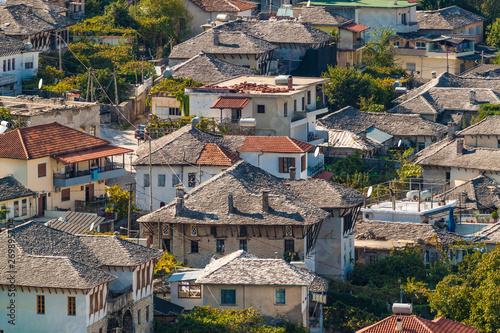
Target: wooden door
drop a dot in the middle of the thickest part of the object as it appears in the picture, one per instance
(42, 204)
(89, 193)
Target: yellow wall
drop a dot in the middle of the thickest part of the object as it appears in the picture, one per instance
(30, 208)
(427, 65)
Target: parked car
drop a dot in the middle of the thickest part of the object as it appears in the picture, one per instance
(139, 132)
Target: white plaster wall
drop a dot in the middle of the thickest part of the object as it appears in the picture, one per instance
(389, 17)
(123, 274)
(21, 72)
(482, 141)
(54, 320)
(270, 162)
(460, 176)
(186, 303)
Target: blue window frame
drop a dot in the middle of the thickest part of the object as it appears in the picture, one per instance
(280, 296)
(228, 296)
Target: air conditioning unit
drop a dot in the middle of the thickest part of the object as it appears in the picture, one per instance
(57, 189)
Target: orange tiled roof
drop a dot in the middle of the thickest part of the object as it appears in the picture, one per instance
(92, 154)
(223, 5)
(213, 154)
(355, 27)
(45, 140)
(230, 103)
(274, 144)
(414, 324)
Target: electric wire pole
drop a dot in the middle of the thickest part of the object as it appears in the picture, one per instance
(129, 207)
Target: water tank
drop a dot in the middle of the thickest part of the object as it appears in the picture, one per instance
(402, 308)
(282, 80)
(223, 17)
(248, 122)
(195, 121)
(168, 72)
(396, 84)
(401, 90)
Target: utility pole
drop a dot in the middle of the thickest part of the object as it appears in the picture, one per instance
(142, 69)
(88, 87)
(447, 64)
(60, 49)
(150, 174)
(91, 87)
(129, 206)
(117, 100)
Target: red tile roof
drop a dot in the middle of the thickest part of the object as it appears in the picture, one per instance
(213, 154)
(45, 140)
(414, 324)
(223, 5)
(355, 27)
(274, 144)
(230, 103)
(325, 175)
(92, 154)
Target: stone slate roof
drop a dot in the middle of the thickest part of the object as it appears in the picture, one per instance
(76, 222)
(316, 15)
(489, 234)
(488, 126)
(230, 42)
(350, 119)
(208, 202)
(444, 154)
(436, 100)
(184, 147)
(369, 229)
(11, 188)
(332, 195)
(242, 268)
(223, 5)
(208, 69)
(24, 19)
(166, 308)
(96, 251)
(347, 139)
(8, 45)
(448, 18)
(482, 71)
(416, 324)
(480, 193)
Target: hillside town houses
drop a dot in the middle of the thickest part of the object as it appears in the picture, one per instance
(308, 166)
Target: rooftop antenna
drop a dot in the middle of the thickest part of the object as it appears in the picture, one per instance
(399, 143)
(309, 3)
(369, 193)
(40, 83)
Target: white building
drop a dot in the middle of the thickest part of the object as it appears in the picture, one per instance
(190, 157)
(281, 106)
(18, 62)
(70, 283)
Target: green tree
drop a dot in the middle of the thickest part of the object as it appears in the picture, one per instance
(118, 200)
(166, 264)
(117, 15)
(408, 168)
(493, 35)
(379, 51)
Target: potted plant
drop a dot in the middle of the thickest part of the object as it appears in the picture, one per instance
(494, 216)
(476, 217)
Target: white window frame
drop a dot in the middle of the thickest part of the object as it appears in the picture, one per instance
(194, 230)
(420, 43)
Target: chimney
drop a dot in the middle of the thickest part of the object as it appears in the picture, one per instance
(472, 97)
(434, 75)
(230, 203)
(395, 2)
(451, 130)
(216, 36)
(363, 134)
(460, 146)
(292, 173)
(179, 199)
(30, 9)
(265, 201)
(399, 324)
(290, 82)
(276, 255)
(492, 73)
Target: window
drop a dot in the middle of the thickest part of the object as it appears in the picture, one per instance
(478, 29)
(243, 231)
(176, 179)
(289, 245)
(24, 207)
(498, 143)
(71, 306)
(261, 109)
(280, 296)
(65, 194)
(448, 176)
(213, 231)
(228, 296)
(8, 64)
(5, 65)
(411, 66)
(294, 105)
(421, 146)
(191, 179)
(40, 304)
(161, 180)
(42, 170)
(285, 109)
(188, 289)
(288, 231)
(303, 104)
(92, 130)
(243, 245)
(194, 230)
(403, 19)
(308, 97)
(194, 247)
(220, 246)
(303, 163)
(28, 65)
(147, 313)
(166, 230)
(13, 64)
(146, 180)
(139, 317)
(16, 208)
(472, 31)
(427, 257)
(166, 245)
(91, 303)
(174, 111)
(4, 212)
(372, 258)
(285, 163)
(398, 43)
(420, 45)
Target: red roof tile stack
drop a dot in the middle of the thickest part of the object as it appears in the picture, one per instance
(213, 154)
(274, 144)
(414, 324)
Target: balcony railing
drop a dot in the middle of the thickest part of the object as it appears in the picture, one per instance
(312, 170)
(86, 176)
(8, 79)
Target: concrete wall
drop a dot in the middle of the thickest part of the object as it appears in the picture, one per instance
(20, 71)
(30, 208)
(270, 162)
(160, 106)
(186, 303)
(389, 17)
(427, 65)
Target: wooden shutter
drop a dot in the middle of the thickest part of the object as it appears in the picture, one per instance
(282, 160)
(303, 163)
(293, 161)
(42, 170)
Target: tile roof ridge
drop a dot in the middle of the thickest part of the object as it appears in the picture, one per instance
(376, 324)
(472, 126)
(446, 144)
(232, 4)
(296, 142)
(23, 144)
(422, 322)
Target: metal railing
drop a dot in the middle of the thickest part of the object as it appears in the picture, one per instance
(312, 170)
(81, 173)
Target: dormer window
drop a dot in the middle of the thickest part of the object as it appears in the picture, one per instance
(420, 45)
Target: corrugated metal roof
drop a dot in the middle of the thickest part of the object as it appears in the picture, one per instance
(230, 103)
(92, 154)
(355, 27)
(285, 12)
(185, 276)
(377, 135)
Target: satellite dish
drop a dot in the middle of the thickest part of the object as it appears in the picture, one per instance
(195, 121)
(399, 143)
(40, 83)
(316, 152)
(369, 193)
